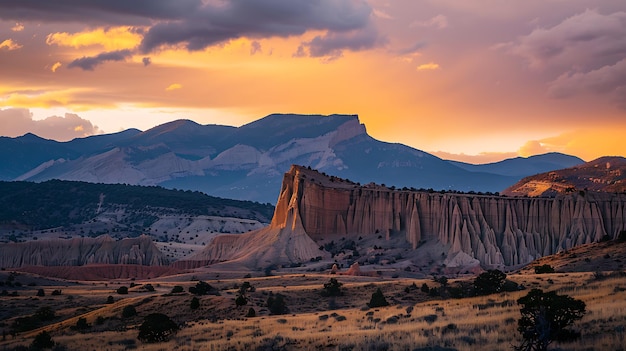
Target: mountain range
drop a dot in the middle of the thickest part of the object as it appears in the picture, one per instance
(248, 162)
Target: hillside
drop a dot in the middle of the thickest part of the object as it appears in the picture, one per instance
(56, 203)
(605, 174)
(247, 162)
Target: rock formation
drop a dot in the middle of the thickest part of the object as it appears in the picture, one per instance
(491, 230)
(607, 174)
(81, 251)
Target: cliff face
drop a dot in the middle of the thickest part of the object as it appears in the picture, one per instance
(81, 251)
(496, 231)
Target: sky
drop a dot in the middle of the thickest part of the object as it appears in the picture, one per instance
(472, 80)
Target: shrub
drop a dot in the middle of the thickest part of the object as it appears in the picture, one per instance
(156, 327)
(129, 311)
(41, 292)
(378, 299)
(546, 268)
(332, 288)
(425, 288)
(241, 300)
(489, 282)
(122, 290)
(110, 299)
(149, 287)
(203, 288)
(276, 304)
(621, 237)
(545, 318)
(251, 313)
(56, 292)
(195, 303)
(177, 289)
(44, 314)
(42, 340)
(81, 324)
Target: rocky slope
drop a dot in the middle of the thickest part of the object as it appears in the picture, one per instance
(247, 162)
(607, 174)
(469, 229)
(81, 251)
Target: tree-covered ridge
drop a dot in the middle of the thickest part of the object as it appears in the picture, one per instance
(58, 203)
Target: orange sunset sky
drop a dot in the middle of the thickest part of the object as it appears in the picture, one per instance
(471, 80)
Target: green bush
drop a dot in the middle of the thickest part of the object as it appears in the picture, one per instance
(251, 313)
(546, 268)
(276, 304)
(177, 289)
(156, 327)
(42, 340)
(332, 288)
(241, 300)
(378, 299)
(545, 318)
(489, 282)
(129, 311)
(195, 303)
(122, 290)
(203, 288)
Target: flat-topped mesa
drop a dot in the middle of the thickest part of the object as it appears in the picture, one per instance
(496, 231)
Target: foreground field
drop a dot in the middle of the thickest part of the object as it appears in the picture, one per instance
(413, 321)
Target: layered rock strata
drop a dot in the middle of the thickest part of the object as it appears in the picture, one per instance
(496, 231)
(81, 251)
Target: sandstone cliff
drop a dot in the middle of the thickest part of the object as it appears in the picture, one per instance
(491, 230)
(81, 251)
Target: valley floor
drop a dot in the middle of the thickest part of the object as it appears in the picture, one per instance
(413, 321)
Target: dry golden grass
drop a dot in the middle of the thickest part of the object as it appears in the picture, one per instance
(412, 321)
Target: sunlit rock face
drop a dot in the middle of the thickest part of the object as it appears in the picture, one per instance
(82, 251)
(492, 230)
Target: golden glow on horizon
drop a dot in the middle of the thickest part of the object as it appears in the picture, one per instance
(441, 80)
(110, 39)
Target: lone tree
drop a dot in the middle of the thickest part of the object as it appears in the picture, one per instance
(378, 299)
(545, 317)
(156, 327)
(332, 288)
(489, 282)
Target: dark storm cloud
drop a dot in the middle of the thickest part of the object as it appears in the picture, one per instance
(216, 23)
(196, 25)
(585, 53)
(88, 63)
(121, 12)
(332, 44)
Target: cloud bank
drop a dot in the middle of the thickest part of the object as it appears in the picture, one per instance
(585, 53)
(196, 25)
(18, 121)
